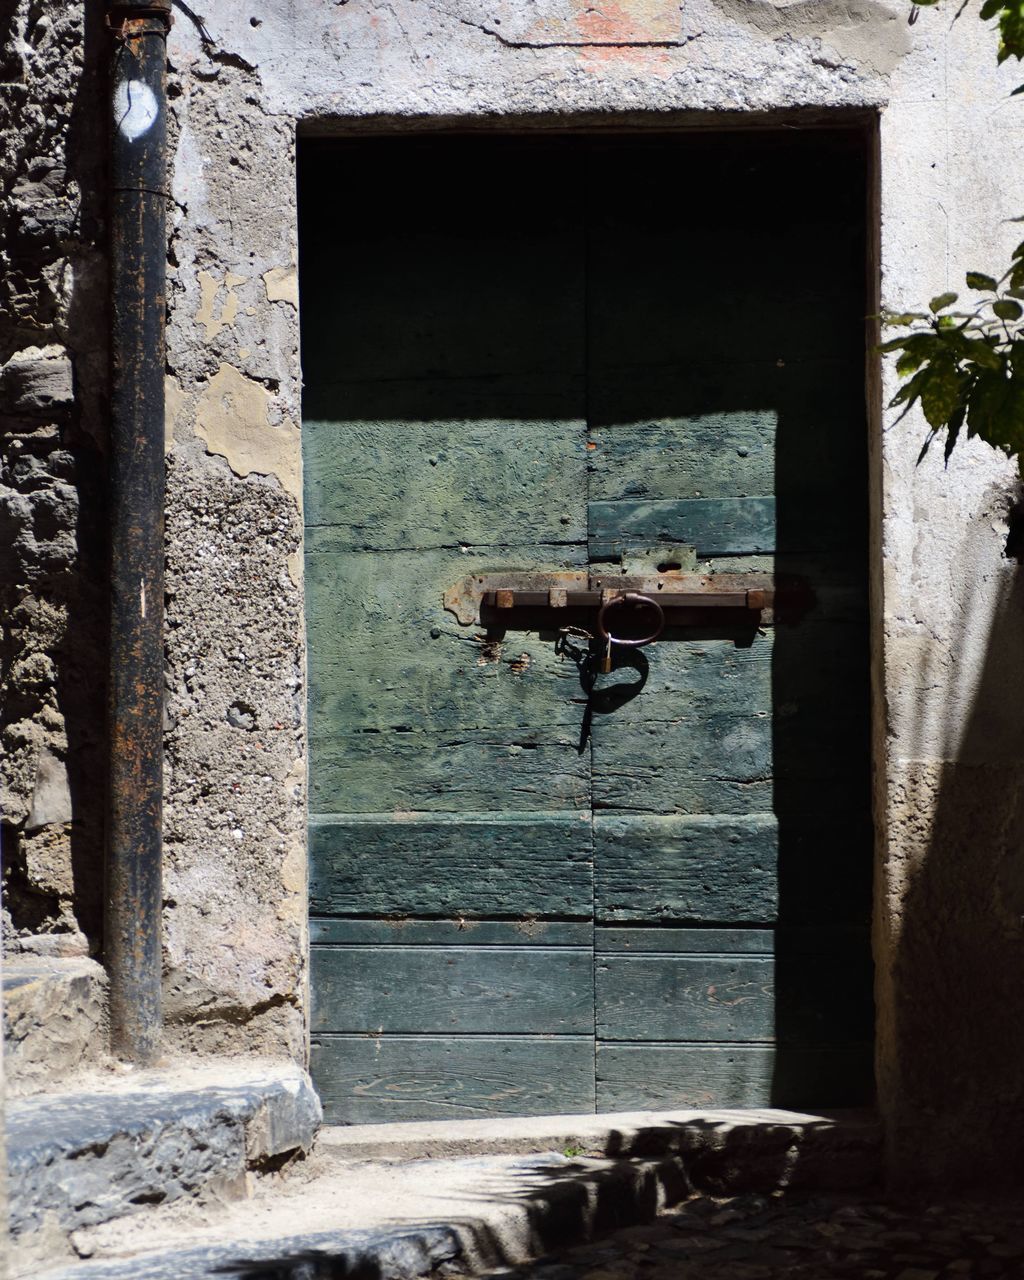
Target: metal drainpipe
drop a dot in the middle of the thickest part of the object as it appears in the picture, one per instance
(138, 254)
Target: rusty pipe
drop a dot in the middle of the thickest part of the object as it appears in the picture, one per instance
(138, 254)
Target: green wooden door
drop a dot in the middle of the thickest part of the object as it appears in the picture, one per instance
(549, 354)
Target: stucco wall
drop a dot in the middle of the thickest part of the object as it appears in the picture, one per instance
(950, 888)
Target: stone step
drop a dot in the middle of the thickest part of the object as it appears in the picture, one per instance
(55, 1012)
(119, 1144)
(408, 1215)
(766, 1147)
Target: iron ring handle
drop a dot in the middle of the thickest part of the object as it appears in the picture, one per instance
(630, 597)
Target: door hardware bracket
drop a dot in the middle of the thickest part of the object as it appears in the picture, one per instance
(550, 599)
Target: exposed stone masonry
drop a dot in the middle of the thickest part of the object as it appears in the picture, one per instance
(52, 488)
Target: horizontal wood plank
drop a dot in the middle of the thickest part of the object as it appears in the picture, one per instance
(819, 940)
(451, 865)
(715, 455)
(677, 997)
(471, 769)
(712, 869)
(669, 939)
(800, 998)
(668, 1076)
(385, 654)
(386, 485)
(714, 526)
(818, 665)
(692, 764)
(341, 931)
(724, 764)
(437, 990)
(374, 1080)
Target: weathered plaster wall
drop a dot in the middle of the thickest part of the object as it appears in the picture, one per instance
(950, 887)
(951, 899)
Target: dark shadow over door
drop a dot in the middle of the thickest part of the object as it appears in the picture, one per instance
(529, 895)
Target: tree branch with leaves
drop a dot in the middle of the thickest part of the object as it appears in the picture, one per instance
(966, 367)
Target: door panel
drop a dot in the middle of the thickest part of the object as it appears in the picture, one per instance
(717, 346)
(445, 434)
(545, 354)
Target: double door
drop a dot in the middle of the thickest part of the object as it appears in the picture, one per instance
(535, 887)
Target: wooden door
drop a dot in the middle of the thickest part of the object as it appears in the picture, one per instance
(544, 354)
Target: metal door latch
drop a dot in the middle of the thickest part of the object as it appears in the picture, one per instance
(628, 603)
(534, 601)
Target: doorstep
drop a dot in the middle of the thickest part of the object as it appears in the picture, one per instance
(381, 1200)
(118, 1143)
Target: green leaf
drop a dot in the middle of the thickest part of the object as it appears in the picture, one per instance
(908, 362)
(942, 392)
(942, 300)
(989, 9)
(983, 353)
(1011, 30)
(978, 280)
(990, 412)
(1007, 309)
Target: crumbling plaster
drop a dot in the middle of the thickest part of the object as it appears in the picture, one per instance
(948, 654)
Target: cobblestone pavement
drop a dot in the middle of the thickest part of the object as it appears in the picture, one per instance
(800, 1238)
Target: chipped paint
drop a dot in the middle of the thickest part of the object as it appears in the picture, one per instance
(282, 285)
(233, 418)
(208, 315)
(611, 25)
(871, 35)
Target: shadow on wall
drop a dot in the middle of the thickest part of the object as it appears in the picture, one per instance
(952, 1078)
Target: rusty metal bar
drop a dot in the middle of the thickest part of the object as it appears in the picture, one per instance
(506, 598)
(138, 254)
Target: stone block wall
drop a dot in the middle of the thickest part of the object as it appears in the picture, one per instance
(52, 466)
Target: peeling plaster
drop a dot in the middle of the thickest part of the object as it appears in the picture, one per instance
(282, 284)
(233, 419)
(210, 288)
(613, 24)
(864, 32)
